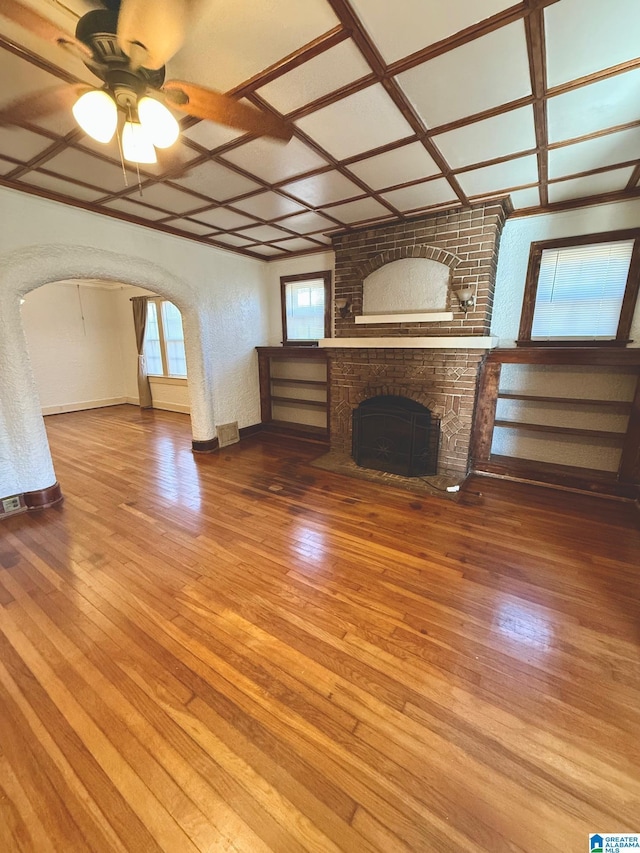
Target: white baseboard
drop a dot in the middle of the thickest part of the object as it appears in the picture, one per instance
(86, 404)
(171, 407)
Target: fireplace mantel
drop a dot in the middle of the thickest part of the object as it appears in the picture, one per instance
(443, 342)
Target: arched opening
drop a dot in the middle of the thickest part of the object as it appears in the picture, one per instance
(25, 459)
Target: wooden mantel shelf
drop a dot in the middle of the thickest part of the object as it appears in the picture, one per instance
(440, 342)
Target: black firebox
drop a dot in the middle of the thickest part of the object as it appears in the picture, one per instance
(396, 435)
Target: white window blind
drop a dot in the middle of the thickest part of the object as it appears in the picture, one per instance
(580, 291)
(305, 310)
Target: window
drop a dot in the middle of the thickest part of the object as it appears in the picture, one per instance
(305, 307)
(164, 340)
(581, 290)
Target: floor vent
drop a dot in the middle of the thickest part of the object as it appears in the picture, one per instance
(228, 434)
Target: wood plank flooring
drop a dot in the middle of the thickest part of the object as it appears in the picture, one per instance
(238, 652)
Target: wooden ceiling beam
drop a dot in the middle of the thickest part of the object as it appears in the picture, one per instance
(536, 49)
(349, 20)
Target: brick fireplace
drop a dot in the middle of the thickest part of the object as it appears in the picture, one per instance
(434, 363)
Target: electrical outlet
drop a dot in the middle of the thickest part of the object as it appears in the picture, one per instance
(11, 505)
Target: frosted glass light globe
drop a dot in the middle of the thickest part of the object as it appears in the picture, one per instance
(159, 124)
(136, 145)
(97, 115)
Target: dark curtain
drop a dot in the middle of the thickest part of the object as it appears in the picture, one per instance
(139, 304)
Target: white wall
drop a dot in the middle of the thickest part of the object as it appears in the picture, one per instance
(223, 298)
(74, 337)
(515, 245)
(295, 266)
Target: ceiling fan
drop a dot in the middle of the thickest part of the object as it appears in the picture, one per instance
(126, 44)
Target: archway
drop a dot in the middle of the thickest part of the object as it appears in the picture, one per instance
(25, 459)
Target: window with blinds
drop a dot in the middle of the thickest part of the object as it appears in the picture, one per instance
(305, 305)
(581, 290)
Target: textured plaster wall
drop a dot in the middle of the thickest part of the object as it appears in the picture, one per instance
(405, 286)
(73, 332)
(223, 299)
(513, 259)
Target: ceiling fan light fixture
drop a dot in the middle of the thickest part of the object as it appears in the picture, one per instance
(137, 147)
(158, 123)
(97, 115)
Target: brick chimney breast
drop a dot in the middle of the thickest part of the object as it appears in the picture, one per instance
(443, 379)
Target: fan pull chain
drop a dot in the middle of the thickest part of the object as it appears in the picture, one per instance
(137, 164)
(124, 171)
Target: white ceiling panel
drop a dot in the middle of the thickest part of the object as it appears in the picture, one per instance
(21, 144)
(223, 218)
(210, 135)
(296, 244)
(584, 36)
(161, 195)
(360, 122)
(604, 182)
(229, 44)
(273, 162)
(594, 153)
(304, 223)
(526, 198)
(481, 74)
(216, 181)
(134, 208)
(325, 73)
(607, 103)
(267, 251)
(408, 163)
(265, 233)
(189, 225)
(494, 179)
(421, 195)
(401, 30)
(323, 188)
(84, 167)
(233, 240)
(57, 185)
(495, 137)
(268, 205)
(355, 211)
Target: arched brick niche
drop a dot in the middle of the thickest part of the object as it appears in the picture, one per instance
(466, 241)
(406, 285)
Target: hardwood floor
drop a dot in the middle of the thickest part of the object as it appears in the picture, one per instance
(238, 652)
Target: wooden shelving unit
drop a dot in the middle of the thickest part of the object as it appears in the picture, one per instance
(294, 395)
(625, 482)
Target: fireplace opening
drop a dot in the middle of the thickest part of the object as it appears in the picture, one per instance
(396, 435)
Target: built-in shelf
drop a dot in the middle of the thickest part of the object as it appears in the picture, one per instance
(423, 317)
(285, 408)
(560, 430)
(621, 406)
(299, 401)
(319, 383)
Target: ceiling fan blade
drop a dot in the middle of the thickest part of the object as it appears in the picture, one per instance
(37, 24)
(30, 108)
(214, 106)
(157, 27)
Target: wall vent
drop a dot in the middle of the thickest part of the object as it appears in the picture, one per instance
(228, 434)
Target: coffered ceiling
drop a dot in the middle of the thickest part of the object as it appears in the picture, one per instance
(397, 108)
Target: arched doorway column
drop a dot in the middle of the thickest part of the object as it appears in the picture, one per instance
(25, 460)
